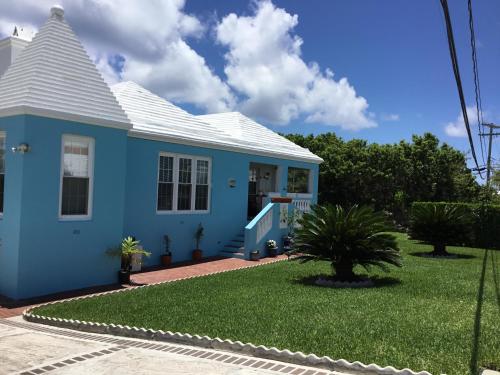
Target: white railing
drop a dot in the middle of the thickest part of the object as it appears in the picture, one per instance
(264, 225)
(303, 205)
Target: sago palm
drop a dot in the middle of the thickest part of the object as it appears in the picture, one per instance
(439, 224)
(346, 238)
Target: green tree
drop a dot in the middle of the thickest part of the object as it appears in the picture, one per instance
(389, 176)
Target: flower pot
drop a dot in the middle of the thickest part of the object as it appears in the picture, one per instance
(166, 260)
(272, 251)
(124, 277)
(197, 255)
(254, 255)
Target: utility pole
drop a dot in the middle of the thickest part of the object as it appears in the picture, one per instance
(490, 142)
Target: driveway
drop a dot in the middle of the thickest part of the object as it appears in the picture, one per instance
(27, 348)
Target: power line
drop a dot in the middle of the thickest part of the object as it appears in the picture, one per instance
(456, 71)
(477, 88)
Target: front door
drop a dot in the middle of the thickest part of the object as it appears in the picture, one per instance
(261, 181)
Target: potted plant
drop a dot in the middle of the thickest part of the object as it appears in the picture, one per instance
(128, 247)
(272, 248)
(292, 221)
(166, 259)
(255, 255)
(198, 235)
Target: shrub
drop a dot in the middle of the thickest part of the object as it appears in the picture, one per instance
(346, 238)
(483, 223)
(440, 225)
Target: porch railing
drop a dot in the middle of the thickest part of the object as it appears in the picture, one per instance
(265, 226)
(303, 205)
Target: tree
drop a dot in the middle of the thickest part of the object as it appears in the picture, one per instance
(346, 238)
(389, 177)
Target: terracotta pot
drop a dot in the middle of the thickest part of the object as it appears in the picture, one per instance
(166, 260)
(197, 255)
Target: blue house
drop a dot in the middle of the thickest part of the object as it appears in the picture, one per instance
(83, 165)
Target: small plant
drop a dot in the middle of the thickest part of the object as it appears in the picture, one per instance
(198, 235)
(346, 238)
(272, 248)
(440, 225)
(166, 259)
(167, 241)
(128, 247)
(271, 244)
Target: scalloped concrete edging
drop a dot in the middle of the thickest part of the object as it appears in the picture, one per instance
(250, 349)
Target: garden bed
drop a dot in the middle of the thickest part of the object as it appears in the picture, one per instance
(423, 316)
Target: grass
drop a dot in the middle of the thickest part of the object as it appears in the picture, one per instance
(439, 315)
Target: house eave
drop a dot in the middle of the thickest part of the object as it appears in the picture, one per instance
(135, 133)
(43, 112)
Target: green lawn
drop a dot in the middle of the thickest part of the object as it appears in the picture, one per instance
(429, 320)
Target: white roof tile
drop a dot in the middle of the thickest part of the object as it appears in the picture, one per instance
(54, 77)
(156, 118)
(248, 133)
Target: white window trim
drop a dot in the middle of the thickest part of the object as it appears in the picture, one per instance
(175, 179)
(309, 193)
(3, 135)
(91, 178)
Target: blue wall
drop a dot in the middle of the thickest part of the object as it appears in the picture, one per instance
(40, 254)
(57, 255)
(228, 211)
(10, 223)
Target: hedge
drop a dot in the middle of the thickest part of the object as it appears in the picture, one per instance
(486, 223)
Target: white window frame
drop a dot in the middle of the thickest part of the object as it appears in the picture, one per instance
(175, 178)
(309, 183)
(90, 198)
(3, 135)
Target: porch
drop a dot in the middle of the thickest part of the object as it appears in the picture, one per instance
(277, 195)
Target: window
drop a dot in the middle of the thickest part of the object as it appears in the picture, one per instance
(201, 198)
(184, 187)
(298, 180)
(183, 183)
(166, 183)
(77, 171)
(2, 169)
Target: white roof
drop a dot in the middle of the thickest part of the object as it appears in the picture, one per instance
(54, 77)
(153, 117)
(247, 133)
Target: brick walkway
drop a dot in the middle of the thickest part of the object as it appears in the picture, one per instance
(9, 308)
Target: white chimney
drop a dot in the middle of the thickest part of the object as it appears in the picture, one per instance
(10, 48)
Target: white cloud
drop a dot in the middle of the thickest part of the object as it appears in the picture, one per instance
(264, 65)
(148, 41)
(390, 117)
(150, 35)
(457, 127)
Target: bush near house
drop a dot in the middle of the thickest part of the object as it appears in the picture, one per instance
(476, 225)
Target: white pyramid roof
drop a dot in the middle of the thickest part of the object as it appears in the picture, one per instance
(153, 117)
(54, 77)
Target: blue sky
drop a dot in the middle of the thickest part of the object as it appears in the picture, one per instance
(395, 54)
(212, 56)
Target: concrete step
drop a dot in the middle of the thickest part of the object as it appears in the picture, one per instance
(231, 254)
(234, 248)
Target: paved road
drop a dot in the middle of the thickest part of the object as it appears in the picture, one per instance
(27, 348)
